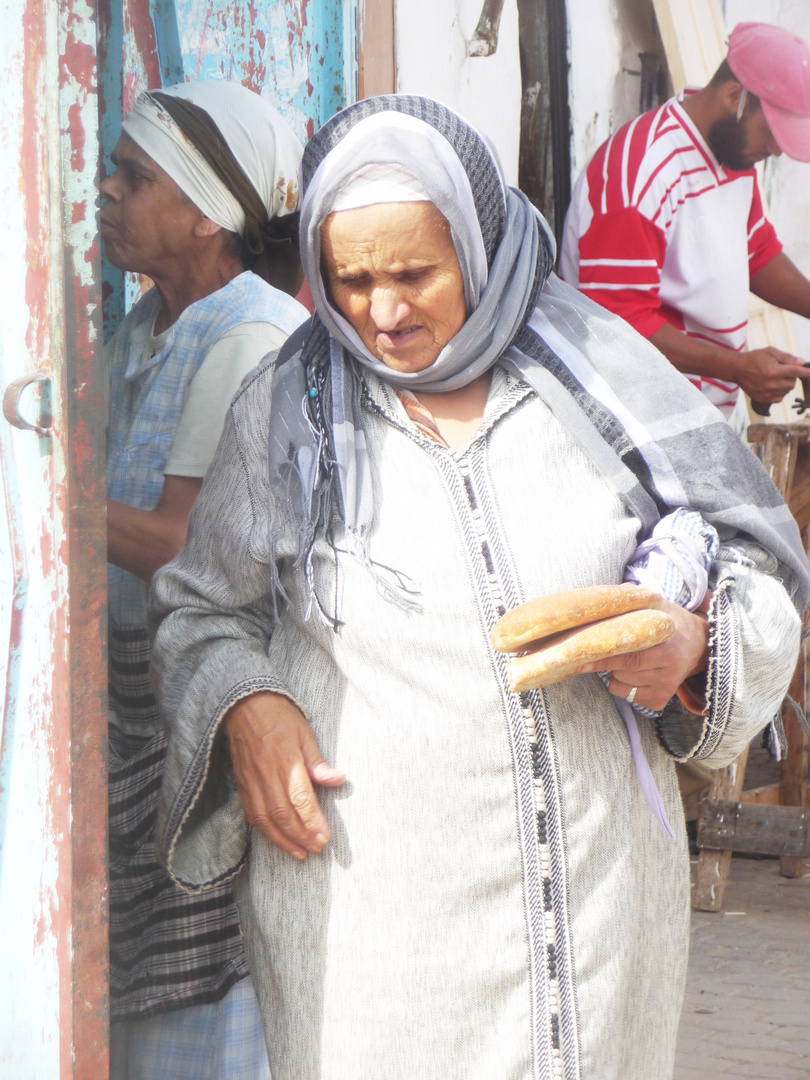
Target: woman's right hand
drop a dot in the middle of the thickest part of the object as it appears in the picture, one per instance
(276, 761)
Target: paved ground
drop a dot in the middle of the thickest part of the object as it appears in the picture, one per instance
(747, 1010)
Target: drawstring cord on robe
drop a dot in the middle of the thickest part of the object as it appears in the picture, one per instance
(675, 562)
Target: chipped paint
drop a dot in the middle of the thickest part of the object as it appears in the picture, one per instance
(34, 944)
(141, 32)
(81, 616)
(52, 879)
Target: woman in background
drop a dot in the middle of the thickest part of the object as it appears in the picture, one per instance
(203, 200)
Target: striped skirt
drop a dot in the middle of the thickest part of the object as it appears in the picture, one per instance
(168, 949)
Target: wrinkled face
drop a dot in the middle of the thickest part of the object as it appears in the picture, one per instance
(740, 144)
(146, 221)
(393, 273)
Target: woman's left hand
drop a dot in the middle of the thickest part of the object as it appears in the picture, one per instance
(658, 672)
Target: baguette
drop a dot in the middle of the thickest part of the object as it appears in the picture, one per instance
(552, 614)
(561, 657)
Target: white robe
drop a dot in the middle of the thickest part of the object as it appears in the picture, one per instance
(497, 901)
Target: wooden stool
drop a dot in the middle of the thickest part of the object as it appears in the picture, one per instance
(772, 820)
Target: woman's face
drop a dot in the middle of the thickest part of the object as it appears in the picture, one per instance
(392, 271)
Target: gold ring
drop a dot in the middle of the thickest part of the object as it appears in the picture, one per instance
(631, 697)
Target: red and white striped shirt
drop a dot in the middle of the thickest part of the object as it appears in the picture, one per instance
(659, 232)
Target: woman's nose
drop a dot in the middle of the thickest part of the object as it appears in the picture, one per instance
(388, 308)
(106, 187)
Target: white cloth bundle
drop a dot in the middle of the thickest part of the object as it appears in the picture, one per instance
(674, 561)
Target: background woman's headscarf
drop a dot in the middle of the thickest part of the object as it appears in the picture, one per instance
(236, 158)
(654, 439)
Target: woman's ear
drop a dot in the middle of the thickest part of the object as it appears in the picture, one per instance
(206, 227)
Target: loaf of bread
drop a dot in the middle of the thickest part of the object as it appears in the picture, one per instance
(536, 619)
(561, 656)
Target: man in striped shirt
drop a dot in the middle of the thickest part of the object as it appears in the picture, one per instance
(666, 226)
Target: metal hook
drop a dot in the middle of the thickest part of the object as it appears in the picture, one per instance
(11, 403)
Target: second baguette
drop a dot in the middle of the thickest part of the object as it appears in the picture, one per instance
(561, 611)
(560, 657)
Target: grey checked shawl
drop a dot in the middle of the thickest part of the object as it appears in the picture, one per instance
(652, 436)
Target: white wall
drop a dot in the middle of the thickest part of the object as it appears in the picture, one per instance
(604, 42)
(431, 59)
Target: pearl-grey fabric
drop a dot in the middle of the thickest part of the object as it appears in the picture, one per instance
(496, 901)
(590, 367)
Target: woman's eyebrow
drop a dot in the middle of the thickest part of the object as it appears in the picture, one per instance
(121, 161)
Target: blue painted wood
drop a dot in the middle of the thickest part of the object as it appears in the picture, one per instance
(110, 96)
(167, 38)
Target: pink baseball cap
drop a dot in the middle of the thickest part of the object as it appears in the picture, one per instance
(774, 64)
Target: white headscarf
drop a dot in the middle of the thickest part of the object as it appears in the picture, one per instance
(257, 136)
(379, 183)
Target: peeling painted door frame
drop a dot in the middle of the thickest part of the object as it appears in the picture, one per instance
(53, 770)
(376, 49)
(83, 397)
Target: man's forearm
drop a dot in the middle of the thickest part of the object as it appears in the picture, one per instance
(764, 374)
(782, 284)
(693, 356)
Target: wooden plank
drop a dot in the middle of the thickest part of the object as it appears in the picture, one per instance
(799, 503)
(793, 788)
(759, 830)
(83, 392)
(778, 453)
(713, 864)
(767, 796)
(759, 432)
(673, 44)
(694, 38)
(762, 796)
(376, 60)
(711, 32)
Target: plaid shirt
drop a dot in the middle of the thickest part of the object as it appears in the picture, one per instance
(148, 394)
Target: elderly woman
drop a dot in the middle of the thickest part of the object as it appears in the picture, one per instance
(454, 432)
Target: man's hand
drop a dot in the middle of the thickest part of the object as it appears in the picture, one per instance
(658, 672)
(276, 760)
(764, 374)
(768, 374)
